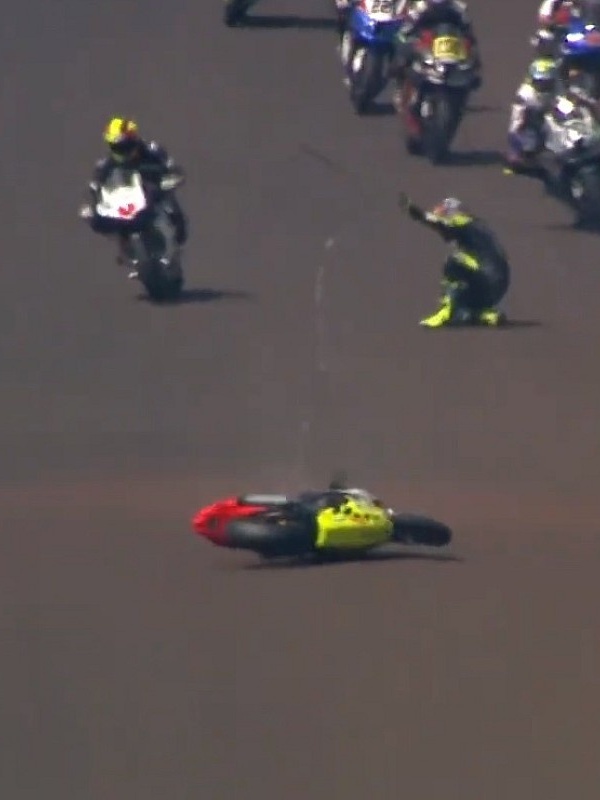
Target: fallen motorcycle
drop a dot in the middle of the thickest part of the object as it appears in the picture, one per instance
(324, 524)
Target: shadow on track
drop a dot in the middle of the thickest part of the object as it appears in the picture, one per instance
(573, 227)
(279, 22)
(482, 108)
(373, 558)
(475, 158)
(381, 109)
(509, 325)
(189, 296)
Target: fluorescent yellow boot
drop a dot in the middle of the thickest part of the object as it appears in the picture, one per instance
(491, 317)
(441, 317)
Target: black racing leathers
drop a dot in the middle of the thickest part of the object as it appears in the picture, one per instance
(153, 162)
(477, 272)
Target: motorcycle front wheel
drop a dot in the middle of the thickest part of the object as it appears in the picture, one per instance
(418, 530)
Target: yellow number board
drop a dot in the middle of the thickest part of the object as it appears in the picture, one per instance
(449, 48)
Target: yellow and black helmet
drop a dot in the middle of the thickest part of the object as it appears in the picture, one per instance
(122, 137)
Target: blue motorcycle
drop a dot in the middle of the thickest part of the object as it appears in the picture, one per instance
(367, 50)
(580, 48)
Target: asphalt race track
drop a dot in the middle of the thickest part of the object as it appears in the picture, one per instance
(139, 663)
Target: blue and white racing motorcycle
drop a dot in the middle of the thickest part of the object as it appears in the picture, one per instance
(367, 50)
(581, 48)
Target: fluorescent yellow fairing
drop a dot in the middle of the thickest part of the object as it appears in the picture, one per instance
(356, 525)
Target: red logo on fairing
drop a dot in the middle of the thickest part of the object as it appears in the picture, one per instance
(127, 211)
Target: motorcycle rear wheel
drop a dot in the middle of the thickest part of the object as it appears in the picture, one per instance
(439, 130)
(271, 539)
(366, 82)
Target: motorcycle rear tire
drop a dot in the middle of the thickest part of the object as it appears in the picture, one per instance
(438, 138)
(418, 530)
(270, 539)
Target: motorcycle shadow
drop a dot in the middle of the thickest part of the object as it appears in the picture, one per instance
(190, 296)
(474, 158)
(376, 557)
(380, 109)
(484, 108)
(281, 22)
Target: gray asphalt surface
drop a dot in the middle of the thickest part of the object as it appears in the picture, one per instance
(137, 661)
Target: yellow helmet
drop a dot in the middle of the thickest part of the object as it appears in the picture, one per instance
(122, 137)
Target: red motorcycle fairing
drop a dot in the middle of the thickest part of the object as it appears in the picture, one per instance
(211, 521)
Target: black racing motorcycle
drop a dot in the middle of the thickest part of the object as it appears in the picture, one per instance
(126, 205)
(436, 90)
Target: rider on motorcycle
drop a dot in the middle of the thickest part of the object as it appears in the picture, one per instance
(419, 15)
(127, 148)
(422, 14)
(533, 100)
(345, 7)
(476, 275)
(554, 18)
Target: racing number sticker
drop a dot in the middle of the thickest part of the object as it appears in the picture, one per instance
(449, 47)
(381, 7)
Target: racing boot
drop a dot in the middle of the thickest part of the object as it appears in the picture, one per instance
(441, 317)
(491, 317)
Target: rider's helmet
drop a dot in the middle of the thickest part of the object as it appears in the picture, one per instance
(448, 208)
(122, 137)
(542, 75)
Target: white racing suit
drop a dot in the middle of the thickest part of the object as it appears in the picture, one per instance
(526, 129)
